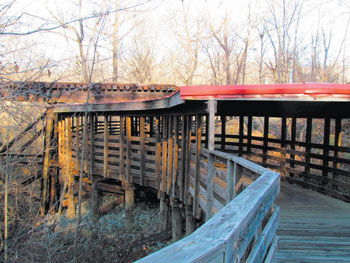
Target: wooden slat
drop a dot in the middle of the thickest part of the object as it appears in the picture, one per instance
(196, 211)
(105, 147)
(143, 150)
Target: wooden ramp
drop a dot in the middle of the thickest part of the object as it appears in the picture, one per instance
(313, 227)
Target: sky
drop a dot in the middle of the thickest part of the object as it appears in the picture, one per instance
(162, 19)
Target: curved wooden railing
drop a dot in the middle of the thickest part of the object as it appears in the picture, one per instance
(242, 231)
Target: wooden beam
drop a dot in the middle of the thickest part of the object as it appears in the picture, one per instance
(212, 109)
(210, 187)
(122, 175)
(128, 150)
(46, 167)
(77, 143)
(187, 196)
(91, 146)
(223, 131)
(175, 180)
(105, 147)
(182, 174)
(158, 154)
(231, 180)
(326, 134)
(241, 131)
(196, 208)
(308, 142)
(292, 142)
(143, 150)
(70, 176)
(249, 140)
(164, 156)
(266, 136)
(170, 155)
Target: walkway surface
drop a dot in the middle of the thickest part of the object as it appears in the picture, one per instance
(313, 227)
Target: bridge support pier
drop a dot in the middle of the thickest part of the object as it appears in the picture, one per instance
(176, 221)
(190, 220)
(129, 204)
(164, 211)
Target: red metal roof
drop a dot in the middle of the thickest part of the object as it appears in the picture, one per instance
(268, 90)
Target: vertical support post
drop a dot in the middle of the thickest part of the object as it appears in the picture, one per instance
(187, 196)
(241, 131)
(121, 152)
(176, 222)
(223, 132)
(327, 127)
(182, 174)
(170, 155)
(158, 155)
(196, 209)
(91, 147)
(293, 136)
(212, 109)
(231, 180)
(266, 136)
(164, 157)
(164, 213)
(190, 220)
(337, 143)
(128, 150)
(283, 145)
(54, 160)
(175, 180)
(249, 140)
(308, 146)
(210, 188)
(46, 168)
(77, 143)
(105, 147)
(70, 176)
(143, 150)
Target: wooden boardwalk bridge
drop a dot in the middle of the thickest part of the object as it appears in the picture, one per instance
(204, 149)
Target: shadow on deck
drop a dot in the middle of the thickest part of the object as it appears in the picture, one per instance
(313, 227)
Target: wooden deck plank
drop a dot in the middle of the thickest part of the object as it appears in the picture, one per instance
(313, 227)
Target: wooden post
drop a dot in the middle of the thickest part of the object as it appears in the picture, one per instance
(182, 174)
(142, 151)
(129, 204)
(196, 208)
(175, 173)
(77, 144)
(122, 152)
(128, 151)
(308, 146)
(241, 131)
(283, 145)
(293, 137)
(70, 176)
(91, 146)
(47, 159)
(212, 109)
(54, 159)
(249, 140)
(170, 155)
(105, 148)
(158, 155)
(190, 220)
(231, 181)
(266, 137)
(223, 132)
(337, 143)
(210, 188)
(187, 196)
(164, 157)
(164, 210)
(176, 222)
(327, 127)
